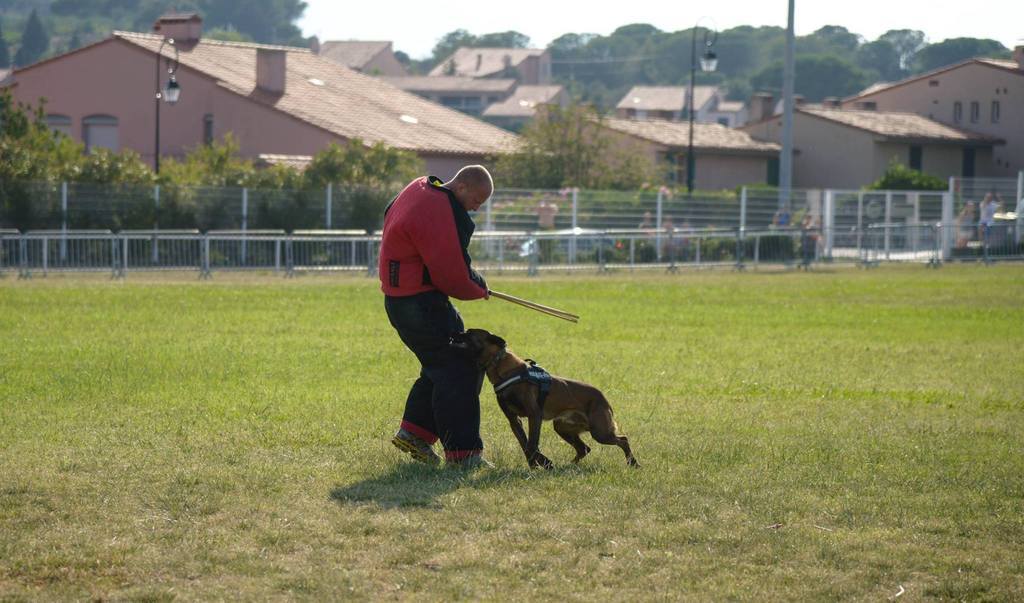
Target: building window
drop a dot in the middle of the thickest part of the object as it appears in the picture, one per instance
(916, 153)
(958, 112)
(466, 104)
(968, 163)
(100, 132)
(208, 129)
(975, 111)
(59, 123)
(995, 112)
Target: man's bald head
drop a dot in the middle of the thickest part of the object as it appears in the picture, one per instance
(472, 186)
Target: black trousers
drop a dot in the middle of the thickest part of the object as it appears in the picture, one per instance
(444, 402)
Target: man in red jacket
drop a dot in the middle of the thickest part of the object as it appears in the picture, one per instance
(424, 259)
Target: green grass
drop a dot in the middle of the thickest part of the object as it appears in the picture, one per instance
(803, 436)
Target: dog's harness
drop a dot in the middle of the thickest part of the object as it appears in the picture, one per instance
(531, 373)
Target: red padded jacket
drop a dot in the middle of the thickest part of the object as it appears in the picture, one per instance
(425, 244)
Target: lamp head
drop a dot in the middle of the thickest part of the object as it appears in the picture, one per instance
(172, 91)
(709, 61)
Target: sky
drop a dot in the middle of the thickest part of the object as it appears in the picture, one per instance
(415, 26)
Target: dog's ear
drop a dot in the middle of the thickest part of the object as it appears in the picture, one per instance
(495, 340)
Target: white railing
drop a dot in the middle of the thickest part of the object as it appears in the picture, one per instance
(42, 252)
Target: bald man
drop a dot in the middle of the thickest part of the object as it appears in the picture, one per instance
(424, 260)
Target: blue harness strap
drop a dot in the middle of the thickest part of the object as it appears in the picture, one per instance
(531, 373)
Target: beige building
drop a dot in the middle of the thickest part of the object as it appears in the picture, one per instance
(980, 95)
(530, 66)
(836, 148)
(670, 103)
(521, 107)
(724, 158)
(466, 94)
(371, 58)
(275, 100)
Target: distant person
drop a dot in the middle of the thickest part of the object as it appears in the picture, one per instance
(781, 218)
(965, 223)
(808, 240)
(647, 222)
(424, 259)
(990, 205)
(1019, 211)
(546, 212)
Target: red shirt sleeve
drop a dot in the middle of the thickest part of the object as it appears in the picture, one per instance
(438, 243)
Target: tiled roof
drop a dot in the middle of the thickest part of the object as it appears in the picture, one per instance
(705, 136)
(352, 53)
(523, 102)
(1006, 65)
(341, 101)
(481, 62)
(664, 98)
(450, 83)
(180, 17)
(895, 125)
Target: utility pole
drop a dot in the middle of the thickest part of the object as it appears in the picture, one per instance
(788, 76)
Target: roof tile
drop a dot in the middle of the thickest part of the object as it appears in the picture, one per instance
(341, 101)
(705, 136)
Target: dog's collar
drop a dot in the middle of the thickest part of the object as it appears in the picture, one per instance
(494, 359)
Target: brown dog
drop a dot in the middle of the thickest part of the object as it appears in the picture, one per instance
(573, 406)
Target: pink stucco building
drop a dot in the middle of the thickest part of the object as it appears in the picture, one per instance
(275, 100)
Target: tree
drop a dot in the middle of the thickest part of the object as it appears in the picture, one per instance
(571, 147)
(907, 43)
(32, 159)
(955, 50)
(505, 39)
(817, 77)
(881, 58)
(5, 53)
(34, 42)
(830, 39)
(899, 177)
(450, 42)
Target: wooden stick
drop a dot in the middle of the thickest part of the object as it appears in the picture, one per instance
(535, 306)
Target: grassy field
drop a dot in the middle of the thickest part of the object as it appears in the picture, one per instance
(847, 435)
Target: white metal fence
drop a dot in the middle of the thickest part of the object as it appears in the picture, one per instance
(500, 251)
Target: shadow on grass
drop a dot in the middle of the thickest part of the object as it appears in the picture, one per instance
(415, 485)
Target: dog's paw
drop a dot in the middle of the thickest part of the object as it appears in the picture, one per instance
(539, 460)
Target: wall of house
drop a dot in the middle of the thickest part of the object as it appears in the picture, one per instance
(713, 170)
(826, 155)
(721, 171)
(117, 79)
(935, 96)
(384, 63)
(535, 70)
(446, 166)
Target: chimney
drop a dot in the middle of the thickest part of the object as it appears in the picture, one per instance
(314, 44)
(479, 61)
(762, 106)
(271, 66)
(832, 102)
(185, 28)
(1018, 55)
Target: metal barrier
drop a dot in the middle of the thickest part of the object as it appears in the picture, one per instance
(501, 251)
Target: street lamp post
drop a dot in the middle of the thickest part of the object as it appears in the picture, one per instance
(708, 62)
(169, 94)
